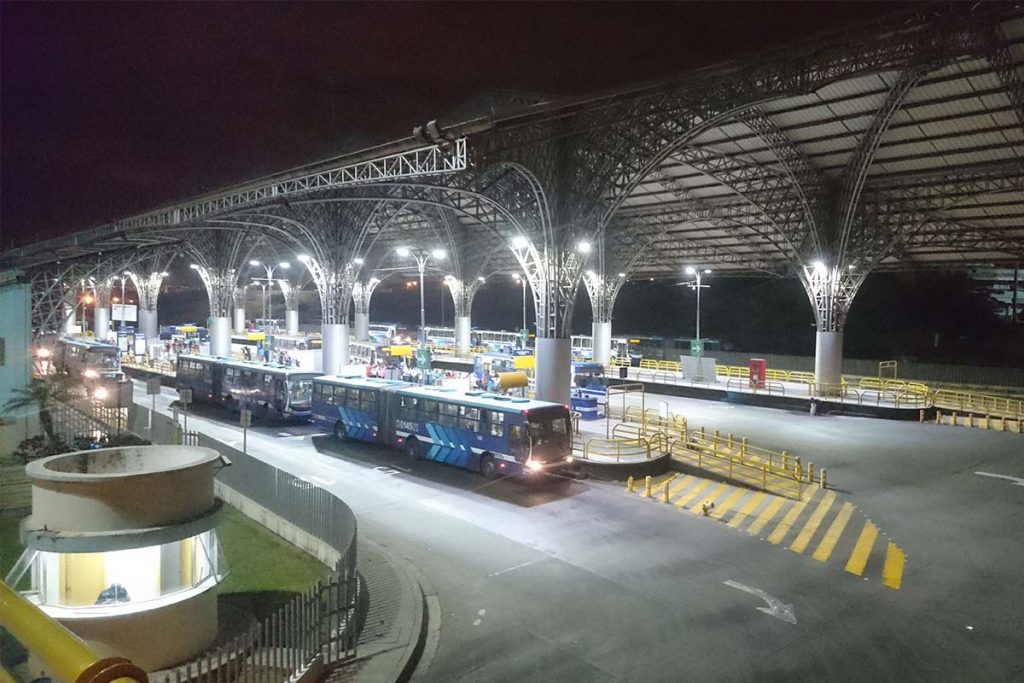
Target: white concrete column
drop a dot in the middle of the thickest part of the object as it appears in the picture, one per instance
(335, 348)
(239, 325)
(291, 321)
(602, 342)
(220, 337)
(102, 323)
(828, 357)
(69, 319)
(148, 324)
(463, 342)
(554, 369)
(362, 326)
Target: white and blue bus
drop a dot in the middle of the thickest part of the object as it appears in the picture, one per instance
(265, 389)
(492, 434)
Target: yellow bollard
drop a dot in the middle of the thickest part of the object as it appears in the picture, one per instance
(810, 472)
(938, 417)
(629, 485)
(730, 440)
(743, 447)
(824, 474)
(988, 422)
(716, 439)
(664, 493)
(1003, 426)
(920, 416)
(954, 418)
(785, 460)
(647, 486)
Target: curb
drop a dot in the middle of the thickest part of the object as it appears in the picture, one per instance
(396, 661)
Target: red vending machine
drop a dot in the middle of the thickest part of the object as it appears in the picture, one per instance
(758, 370)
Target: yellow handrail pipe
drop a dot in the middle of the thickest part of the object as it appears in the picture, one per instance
(63, 653)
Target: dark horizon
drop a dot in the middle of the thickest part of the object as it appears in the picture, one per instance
(105, 114)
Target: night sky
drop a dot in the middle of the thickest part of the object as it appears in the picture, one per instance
(111, 109)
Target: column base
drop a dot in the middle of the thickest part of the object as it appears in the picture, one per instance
(554, 369)
(602, 351)
(828, 361)
(335, 348)
(220, 337)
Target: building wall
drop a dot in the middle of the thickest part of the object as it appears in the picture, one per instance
(15, 355)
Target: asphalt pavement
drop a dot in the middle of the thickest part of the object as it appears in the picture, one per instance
(580, 581)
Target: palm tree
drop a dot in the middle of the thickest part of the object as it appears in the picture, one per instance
(43, 394)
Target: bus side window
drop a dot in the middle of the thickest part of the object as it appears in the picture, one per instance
(368, 399)
(497, 423)
(318, 392)
(408, 409)
(448, 414)
(426, 411)
(338, 398)
(469, 418)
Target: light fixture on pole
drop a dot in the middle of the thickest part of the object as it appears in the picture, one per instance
(422, 256)
(696, 285)
(522, 281)
(268, 307)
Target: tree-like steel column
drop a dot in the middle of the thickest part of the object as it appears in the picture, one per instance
(238, 308)
(291, 306)
(101, 318)
(147, 285)
(220, 288)
(362, 292)
(462, 298)
(334, 282)
(831, 291)
(602, 289)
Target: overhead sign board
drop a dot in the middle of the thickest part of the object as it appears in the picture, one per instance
(153, 386)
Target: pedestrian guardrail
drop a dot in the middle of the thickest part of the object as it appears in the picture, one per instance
(620, 449)
(997, 423)
(968, 402)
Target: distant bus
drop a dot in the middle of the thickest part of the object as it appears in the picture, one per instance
(98, 364)
(583, 346)
(491, 434)
(267, 390)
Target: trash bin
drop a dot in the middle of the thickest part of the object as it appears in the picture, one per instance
(623, 372)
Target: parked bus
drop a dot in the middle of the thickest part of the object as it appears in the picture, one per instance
(382, 332)
(491, 434)
(583, 347)
(440, 336)
(495, 340)
(267, 390)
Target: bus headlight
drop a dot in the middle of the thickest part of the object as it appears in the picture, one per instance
(91, 374)
(568, 458)
(43, 353)
(100, 394)
(534, 465)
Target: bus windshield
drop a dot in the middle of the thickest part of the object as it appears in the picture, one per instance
(300, 391)
(102, 360)
(549, 428)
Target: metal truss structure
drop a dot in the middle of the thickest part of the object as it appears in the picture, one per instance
(893, 146)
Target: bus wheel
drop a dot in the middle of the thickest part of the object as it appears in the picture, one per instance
(488, 468)
(412, 449)
(340, 433)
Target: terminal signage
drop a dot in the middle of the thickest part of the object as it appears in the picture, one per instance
(696, 347)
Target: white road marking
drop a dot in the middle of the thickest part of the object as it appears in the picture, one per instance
(386, 470)
(776, 608)
(518, 566)
(325, 482)
(1017, 481)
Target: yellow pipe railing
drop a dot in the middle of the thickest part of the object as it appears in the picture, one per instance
(63, 653)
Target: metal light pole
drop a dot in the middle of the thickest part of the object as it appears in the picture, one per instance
(522, 283)
(696, 285)
(422, 257)
(268, 308)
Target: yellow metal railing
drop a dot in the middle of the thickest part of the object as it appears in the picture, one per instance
(61, 652)
(964, 401)
(998, 423)
(617, 449)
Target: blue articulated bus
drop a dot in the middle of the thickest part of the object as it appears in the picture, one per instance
(488, 433)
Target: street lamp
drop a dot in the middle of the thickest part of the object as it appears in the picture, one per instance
(695, 284)
(522, 281)
(268, 308)
(422, 256)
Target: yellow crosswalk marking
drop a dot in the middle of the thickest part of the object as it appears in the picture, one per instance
(715, 493)
(892, 571)
(766, 516)
(835, 530)
(746, 510)
(726, 505)
(783, 527)
(859, 557)
(680, 485)
(692, 493)
(807, 533)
